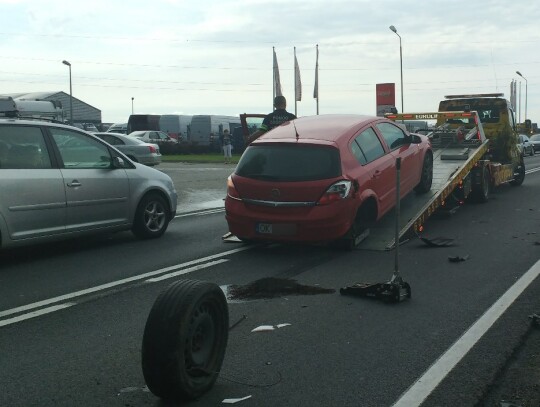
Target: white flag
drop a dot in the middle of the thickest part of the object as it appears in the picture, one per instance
(277, 82)
(297, 81)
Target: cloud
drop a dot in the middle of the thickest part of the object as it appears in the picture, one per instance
(216, 56)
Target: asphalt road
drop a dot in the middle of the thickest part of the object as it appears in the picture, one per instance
(72, 314)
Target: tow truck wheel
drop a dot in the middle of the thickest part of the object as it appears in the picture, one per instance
(184, 340)
(426, 178)
(480, 193)
(519, 175)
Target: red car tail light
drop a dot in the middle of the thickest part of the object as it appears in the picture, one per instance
(152, 149)
(231, 189)
(336, 192)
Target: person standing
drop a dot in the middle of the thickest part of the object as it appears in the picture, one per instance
(227, 146)
(274, 119)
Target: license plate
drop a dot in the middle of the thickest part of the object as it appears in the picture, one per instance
(264, 228)
(277, 229)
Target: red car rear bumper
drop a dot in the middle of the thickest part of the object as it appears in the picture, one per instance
(299, 224)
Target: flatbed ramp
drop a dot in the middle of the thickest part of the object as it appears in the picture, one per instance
(450, 166)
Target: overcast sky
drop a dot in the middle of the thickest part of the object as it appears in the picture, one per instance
(215, 56)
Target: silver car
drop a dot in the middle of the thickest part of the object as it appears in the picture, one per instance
(136, 149)
(153, 136)
(118, 128)
(525, 145)
(535, 141)
(58, 182)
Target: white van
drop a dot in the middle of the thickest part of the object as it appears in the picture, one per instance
(206, 129)
(176, 126)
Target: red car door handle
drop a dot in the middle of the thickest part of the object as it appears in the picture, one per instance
(376, 174)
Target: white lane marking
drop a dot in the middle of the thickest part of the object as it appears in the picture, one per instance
(431, 378)
(37, 313)
(186, 271)
(532, 170)
(102, 287)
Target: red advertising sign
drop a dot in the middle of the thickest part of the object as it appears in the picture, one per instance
(386, 94)
(386, 97)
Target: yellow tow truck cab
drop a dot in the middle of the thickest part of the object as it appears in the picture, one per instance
(497, 118)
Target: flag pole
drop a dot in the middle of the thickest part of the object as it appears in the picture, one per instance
(316, 88)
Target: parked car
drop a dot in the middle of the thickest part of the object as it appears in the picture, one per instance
(86, 126)
(535, 141)
(525, 145)
(59, 182)
(324, 178)
(136, 149)
(153, 136)
(118, 128)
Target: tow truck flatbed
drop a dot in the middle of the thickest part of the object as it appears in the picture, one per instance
(415, 209)
(454, 156)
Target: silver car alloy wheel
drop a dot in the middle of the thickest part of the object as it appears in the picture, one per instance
(155, 216)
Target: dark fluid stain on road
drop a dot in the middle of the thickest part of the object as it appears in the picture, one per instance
(274, 287)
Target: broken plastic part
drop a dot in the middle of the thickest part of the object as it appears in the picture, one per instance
(236, 400)
(457, 259)
(437, 241)
(263, 328)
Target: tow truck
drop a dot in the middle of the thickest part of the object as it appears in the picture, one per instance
(463, 170)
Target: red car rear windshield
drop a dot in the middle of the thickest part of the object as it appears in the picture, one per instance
(293, 163)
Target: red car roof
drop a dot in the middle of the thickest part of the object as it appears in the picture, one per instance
(327, 128)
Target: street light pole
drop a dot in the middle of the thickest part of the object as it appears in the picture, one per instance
(400, 63)
(132, 105)
(70, 94)
(519, 73)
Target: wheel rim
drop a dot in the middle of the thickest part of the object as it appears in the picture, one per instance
(200, 342)
(154, 216)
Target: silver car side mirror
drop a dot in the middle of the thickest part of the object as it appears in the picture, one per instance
(119, 162)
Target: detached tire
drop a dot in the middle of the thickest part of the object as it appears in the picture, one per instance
(151, 217)
(184, 340)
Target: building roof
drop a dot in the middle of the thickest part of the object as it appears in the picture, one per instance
(32, 95)
(45, 96)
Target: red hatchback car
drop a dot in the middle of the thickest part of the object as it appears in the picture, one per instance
(324, 178)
